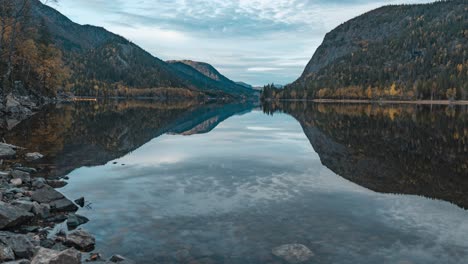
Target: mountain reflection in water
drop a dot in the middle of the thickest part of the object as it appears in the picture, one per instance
(225, 183)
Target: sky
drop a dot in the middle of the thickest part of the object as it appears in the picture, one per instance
(254, 41)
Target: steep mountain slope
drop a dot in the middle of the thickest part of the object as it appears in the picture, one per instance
(103, 63)
(207, 77)
(407, 52)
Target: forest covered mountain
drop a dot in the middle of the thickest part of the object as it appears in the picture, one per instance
(90, 61)
(405, 52)
(206, 77)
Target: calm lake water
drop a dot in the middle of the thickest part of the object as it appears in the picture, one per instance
(187, 183)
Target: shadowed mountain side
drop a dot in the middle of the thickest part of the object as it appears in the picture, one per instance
(91, 134)
(392, 149)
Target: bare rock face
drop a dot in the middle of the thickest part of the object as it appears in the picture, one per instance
(11, 216)
(49, 256)
(81, 240)
(293, 253)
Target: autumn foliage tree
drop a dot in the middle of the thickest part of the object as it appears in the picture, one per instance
(29, 61)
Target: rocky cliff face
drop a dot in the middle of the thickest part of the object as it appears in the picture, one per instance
(421, 49)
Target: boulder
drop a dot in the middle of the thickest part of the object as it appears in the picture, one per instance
(293, 253)
(15, 108)
(21, 261)
(56, 184)
(38, 183)
(63, 205)
(75, 220)
(6, 253)
(41, 210)
(80, 202)
(46, 194)
(81, 240)
(26, 169)
(24, 176)
(22, 245)
(6, 151)
(33, 156)
(16, 182)
(11, 216)
(23, 204)
(49, 256)
(120, 259)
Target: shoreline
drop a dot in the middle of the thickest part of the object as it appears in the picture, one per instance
(34, 214)
(358, 101)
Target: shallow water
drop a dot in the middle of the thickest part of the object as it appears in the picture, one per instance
(226, 184)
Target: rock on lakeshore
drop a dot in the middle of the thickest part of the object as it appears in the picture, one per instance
(81, 240)
(11, 216)
(49, 256)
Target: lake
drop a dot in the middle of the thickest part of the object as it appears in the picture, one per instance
(226, 183)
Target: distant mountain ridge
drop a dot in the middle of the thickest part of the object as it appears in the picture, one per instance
(207, 77)
(104, 63)
(400, 52)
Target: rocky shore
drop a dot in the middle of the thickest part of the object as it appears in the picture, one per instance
(38, 224)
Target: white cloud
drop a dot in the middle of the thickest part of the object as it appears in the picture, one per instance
(256, 41)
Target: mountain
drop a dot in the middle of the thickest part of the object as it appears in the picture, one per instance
(104, 63)
(399, 52)
(245, 85)
(207, 77)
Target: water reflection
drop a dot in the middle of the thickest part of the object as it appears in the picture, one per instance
(186, 184)
(409, 149)
(90, 134)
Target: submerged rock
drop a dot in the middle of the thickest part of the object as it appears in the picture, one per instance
(75, 220)
(120, 259)
(293, 253)
(49, 256)
(81, 240)
(33, 156)
(80, 201)
(11, 216)
(21, 261)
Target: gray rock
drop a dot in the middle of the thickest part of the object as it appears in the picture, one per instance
(6, 253)
(80, 201)
(21, 261)
(75, 220)
(46, 194)
(38, 183)
(26, 169)
(41, 210)
(120, 259)
(81, 240)
(63, 205)
(6, 151)
(16, 182)
(49, 256)
(56, 184)
(33, 156)
(24, 176)
(293, 253)
(22, 245)
(25, 205)
(11, 216)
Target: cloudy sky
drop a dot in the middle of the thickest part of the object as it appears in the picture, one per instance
(255, 41)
